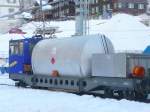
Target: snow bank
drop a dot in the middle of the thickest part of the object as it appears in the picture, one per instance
(126, 33)
(26, 15)
(123, 22)
(4, 79)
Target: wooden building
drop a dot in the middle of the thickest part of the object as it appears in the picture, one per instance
(134, 7)
(65, 9)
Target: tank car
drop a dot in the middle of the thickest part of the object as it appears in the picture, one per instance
(84, 65)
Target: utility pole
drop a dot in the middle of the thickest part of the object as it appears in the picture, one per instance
(21, 4)
(42, 17)
(82, 13)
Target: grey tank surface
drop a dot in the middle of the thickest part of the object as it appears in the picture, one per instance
(69, 56)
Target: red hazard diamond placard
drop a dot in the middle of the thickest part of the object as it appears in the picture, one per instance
(53, 60)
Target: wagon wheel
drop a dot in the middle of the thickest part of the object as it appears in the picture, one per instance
(21, 84)
(120, 94)
(108, 93)
(129, 95)
(141, 95)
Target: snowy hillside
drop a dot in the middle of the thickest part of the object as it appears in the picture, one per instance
(13, 99)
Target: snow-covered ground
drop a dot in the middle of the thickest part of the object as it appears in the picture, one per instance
(13, 99)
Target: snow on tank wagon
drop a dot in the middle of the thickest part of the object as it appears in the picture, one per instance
(81, 65)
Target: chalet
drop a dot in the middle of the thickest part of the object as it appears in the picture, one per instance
(8, 6)
(134, 7)
(65, 9)
(62, 9)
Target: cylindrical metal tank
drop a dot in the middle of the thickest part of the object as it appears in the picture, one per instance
(69, 56)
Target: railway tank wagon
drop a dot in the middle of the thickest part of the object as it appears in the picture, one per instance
(70, 56)
(83, 65)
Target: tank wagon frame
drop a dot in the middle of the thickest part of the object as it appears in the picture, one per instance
(111, 73)
(125, 88)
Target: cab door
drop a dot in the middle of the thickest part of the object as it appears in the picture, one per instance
(16, 58)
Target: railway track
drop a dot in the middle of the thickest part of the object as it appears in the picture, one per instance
(96, 95)
(7, 85)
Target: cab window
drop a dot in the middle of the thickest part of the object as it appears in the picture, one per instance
(16, 48)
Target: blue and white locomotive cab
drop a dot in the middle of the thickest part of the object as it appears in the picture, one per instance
(20, 52)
